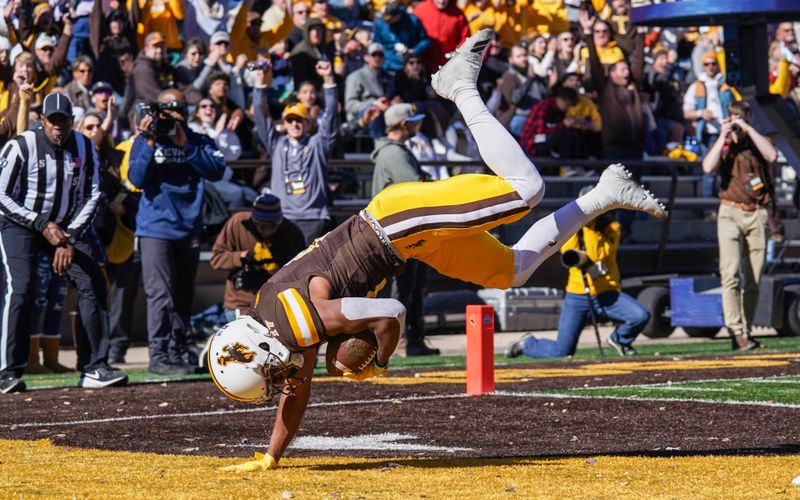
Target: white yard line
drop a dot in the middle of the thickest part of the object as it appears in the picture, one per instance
(788, 379)
(636, 398)
(227, 412)
(778, 379)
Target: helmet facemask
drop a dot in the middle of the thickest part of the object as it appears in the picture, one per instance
(283, 377)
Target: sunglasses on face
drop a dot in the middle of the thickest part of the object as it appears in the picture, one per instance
(377, 54)
(293, 119)
(48, 49)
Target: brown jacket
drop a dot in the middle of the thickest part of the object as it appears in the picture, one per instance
(739, 161)
(620, 107)
(238, 235)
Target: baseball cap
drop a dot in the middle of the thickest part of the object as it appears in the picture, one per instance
(296, 109)
(154, 38)
(267, 208)
(390, 10)
(45, 40)
(102, 87)
(56, 103)
(710, 55)
(374, 47)
(41, 8)
(399, 112)
(219, 36)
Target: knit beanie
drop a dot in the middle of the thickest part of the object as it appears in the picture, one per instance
(267, 208)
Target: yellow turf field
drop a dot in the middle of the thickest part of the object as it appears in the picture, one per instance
(37, 469)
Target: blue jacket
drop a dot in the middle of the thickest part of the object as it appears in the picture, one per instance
(172, 181)
(408, 30)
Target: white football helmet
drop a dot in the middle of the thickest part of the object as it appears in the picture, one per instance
(249, 364)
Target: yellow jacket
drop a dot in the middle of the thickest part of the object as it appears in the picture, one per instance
(124, 165)
(600, 247)
(608, 55)
(552, 16)
(242, 44)
(584, 109)
(783, 80)
(160, 15)
(503, 19)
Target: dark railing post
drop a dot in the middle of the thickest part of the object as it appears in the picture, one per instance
(662, 241)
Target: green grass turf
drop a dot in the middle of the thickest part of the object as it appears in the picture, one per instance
(782, 390)
(720, 347)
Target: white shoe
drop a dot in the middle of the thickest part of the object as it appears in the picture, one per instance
(464, 65)
(617, 185)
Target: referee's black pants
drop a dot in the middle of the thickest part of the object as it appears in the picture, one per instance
(19, 248)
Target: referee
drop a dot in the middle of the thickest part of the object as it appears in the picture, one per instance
(49, 190)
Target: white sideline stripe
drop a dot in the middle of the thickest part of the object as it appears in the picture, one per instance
(227, 412)
(636, 398)
(778, 379)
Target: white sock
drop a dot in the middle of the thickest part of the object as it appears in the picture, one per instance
(547, 236)
(501, 152)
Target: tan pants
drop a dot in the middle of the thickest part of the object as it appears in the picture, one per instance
(742, 240)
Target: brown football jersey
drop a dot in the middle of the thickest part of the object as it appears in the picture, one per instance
(351, 257)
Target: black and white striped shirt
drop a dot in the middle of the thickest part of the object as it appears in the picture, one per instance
(40, 183)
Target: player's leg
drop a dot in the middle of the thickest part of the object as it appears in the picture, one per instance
(616, 189)
(416, 215)
(456, 81)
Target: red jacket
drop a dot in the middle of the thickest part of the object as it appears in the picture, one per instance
(446, 30)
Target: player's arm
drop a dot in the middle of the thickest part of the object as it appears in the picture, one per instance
(350, 315)
(290, 410)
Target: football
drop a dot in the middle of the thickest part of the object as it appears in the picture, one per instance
(350, 352)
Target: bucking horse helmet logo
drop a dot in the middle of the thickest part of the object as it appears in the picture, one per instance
(235, 353)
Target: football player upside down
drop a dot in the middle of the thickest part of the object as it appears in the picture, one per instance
(328, 289)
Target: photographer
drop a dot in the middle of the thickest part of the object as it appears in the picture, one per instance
(592, 254)
(253, 245)
(170, 164)
(742, 156)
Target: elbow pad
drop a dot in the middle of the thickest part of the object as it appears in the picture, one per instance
(355, 308)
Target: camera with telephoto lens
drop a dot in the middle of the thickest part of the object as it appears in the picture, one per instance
(162, 124)
(251, 275)
(736, 128)
(581, 261)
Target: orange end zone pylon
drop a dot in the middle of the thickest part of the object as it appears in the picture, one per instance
(480, 350)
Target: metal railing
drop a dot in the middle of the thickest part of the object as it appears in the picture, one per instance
(669, 170)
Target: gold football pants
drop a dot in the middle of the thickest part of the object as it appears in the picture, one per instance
(445, 224)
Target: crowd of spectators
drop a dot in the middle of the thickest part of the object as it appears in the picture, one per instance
(299, 81)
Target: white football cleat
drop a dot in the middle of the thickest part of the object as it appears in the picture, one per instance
(464, 65)
(617, 185)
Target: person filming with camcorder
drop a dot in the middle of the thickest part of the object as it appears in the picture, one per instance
(252, 247)
(593, 293)
(170, 164)
(743, 157)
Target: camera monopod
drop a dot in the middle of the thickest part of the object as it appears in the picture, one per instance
(579, 260)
